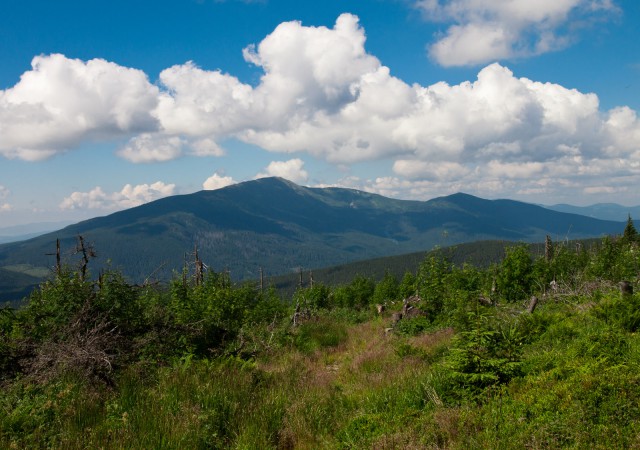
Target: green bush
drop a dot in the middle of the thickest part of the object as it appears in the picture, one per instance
(622, 311)
(386, 290)
(486, 355)
(357, 294)
(431, 282)
(515, 276)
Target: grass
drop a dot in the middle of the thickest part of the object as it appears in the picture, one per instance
(344, 383)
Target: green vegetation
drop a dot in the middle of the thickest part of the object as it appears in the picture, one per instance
(206, 363)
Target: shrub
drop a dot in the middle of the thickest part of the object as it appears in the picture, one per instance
(486, 355)
(432, 284)
(623, 312)
(387, 289)
(357, 294)
(515, 276)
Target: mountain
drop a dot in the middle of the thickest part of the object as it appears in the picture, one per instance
(28, 231)
(277, 225)
(604, 211)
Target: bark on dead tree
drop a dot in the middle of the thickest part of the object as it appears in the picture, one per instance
(548, 249)
(57, 253)
(58, 265)
(532, 304)
(199, 268)
(86, 253)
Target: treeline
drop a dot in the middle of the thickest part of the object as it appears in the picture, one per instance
(82, 349)
(480, 254)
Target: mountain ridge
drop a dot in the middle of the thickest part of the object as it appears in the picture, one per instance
(604, 211)
(277, 225)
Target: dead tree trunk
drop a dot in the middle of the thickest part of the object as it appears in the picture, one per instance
(58, 265)
(548, 249)
(86, 253)
(532, 304)
(199, 268)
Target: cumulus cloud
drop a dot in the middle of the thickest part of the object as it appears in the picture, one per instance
(482, 32)
(6, 207)
(4, 192)
(321, 93)
(197, 102)
(426, 170)
(217, 181)
(291, 170)
(152, 148)
(206, 147)
(128, 197)
(62, 102)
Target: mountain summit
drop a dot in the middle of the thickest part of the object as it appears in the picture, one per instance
(277, 225)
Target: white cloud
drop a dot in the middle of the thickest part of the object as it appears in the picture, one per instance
(525, 170)
(62, 102)
(203, 103)
(472, 44)
(206, 147)
(128, 197)
(321, 93)
(216, 181)
(4, 192)
(152, 148)
(291, 170)
(600, 190)
(5, 207)
(426, 170)
(485, 31)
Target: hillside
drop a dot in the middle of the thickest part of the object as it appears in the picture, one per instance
(280, 226)
(604, 211)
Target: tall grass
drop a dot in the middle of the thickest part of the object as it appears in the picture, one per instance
(353, 386)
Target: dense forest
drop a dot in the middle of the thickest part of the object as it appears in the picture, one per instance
(537, 350)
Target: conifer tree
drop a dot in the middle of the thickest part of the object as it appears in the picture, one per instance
(630, 233)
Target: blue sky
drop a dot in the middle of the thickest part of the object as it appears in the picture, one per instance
(106, 105)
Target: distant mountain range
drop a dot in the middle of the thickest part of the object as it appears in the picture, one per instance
(604, 211)
(279, 226)
(24, 232)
